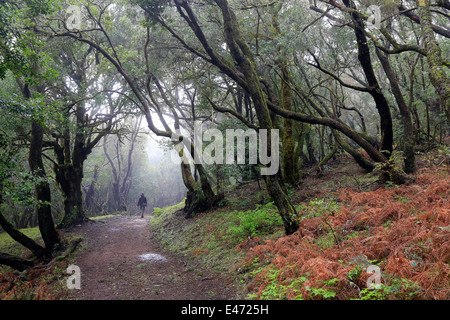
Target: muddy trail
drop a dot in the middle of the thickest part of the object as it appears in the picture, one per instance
(120, 260)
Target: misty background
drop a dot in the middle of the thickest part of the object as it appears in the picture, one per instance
(123, 166)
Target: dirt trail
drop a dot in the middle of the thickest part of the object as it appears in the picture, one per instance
(121, 260)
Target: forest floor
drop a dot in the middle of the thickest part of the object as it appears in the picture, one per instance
(121, 259)
(349, 221)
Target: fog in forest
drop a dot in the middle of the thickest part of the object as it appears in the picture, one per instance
(116, 187)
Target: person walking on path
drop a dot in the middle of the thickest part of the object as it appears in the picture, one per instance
(142, 203)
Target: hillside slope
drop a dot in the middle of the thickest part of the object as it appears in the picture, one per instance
(358, 239)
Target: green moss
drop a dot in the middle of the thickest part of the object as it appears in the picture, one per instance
(104, 217)
(211, 237)
(9, 245)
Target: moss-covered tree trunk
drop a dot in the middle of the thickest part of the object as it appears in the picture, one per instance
(37, 250)
(436, 72)
(405, 114)
(387, 133)
(69, 170)
(244, 59)
(15, 262)
(290, 169)
(195, 200)
(42, 188)
(69, 179)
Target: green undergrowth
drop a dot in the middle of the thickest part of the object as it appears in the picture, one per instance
(213, 238)
(219, 239)
(9, 245)
(400, 232)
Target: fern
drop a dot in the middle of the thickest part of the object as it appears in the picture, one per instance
(403, 229)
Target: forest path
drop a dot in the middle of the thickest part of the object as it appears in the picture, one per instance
(120, 260)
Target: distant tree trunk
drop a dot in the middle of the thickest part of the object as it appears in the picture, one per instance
(124, 188)
(118, 200)
(25, 219)
(120, 186)
(387, 133)
(290, 169)
(327, 158)
(239, 101)
(90, 192)
(309, 146)
(409, 162)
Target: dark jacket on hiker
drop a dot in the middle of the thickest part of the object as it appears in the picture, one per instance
(142, 203)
